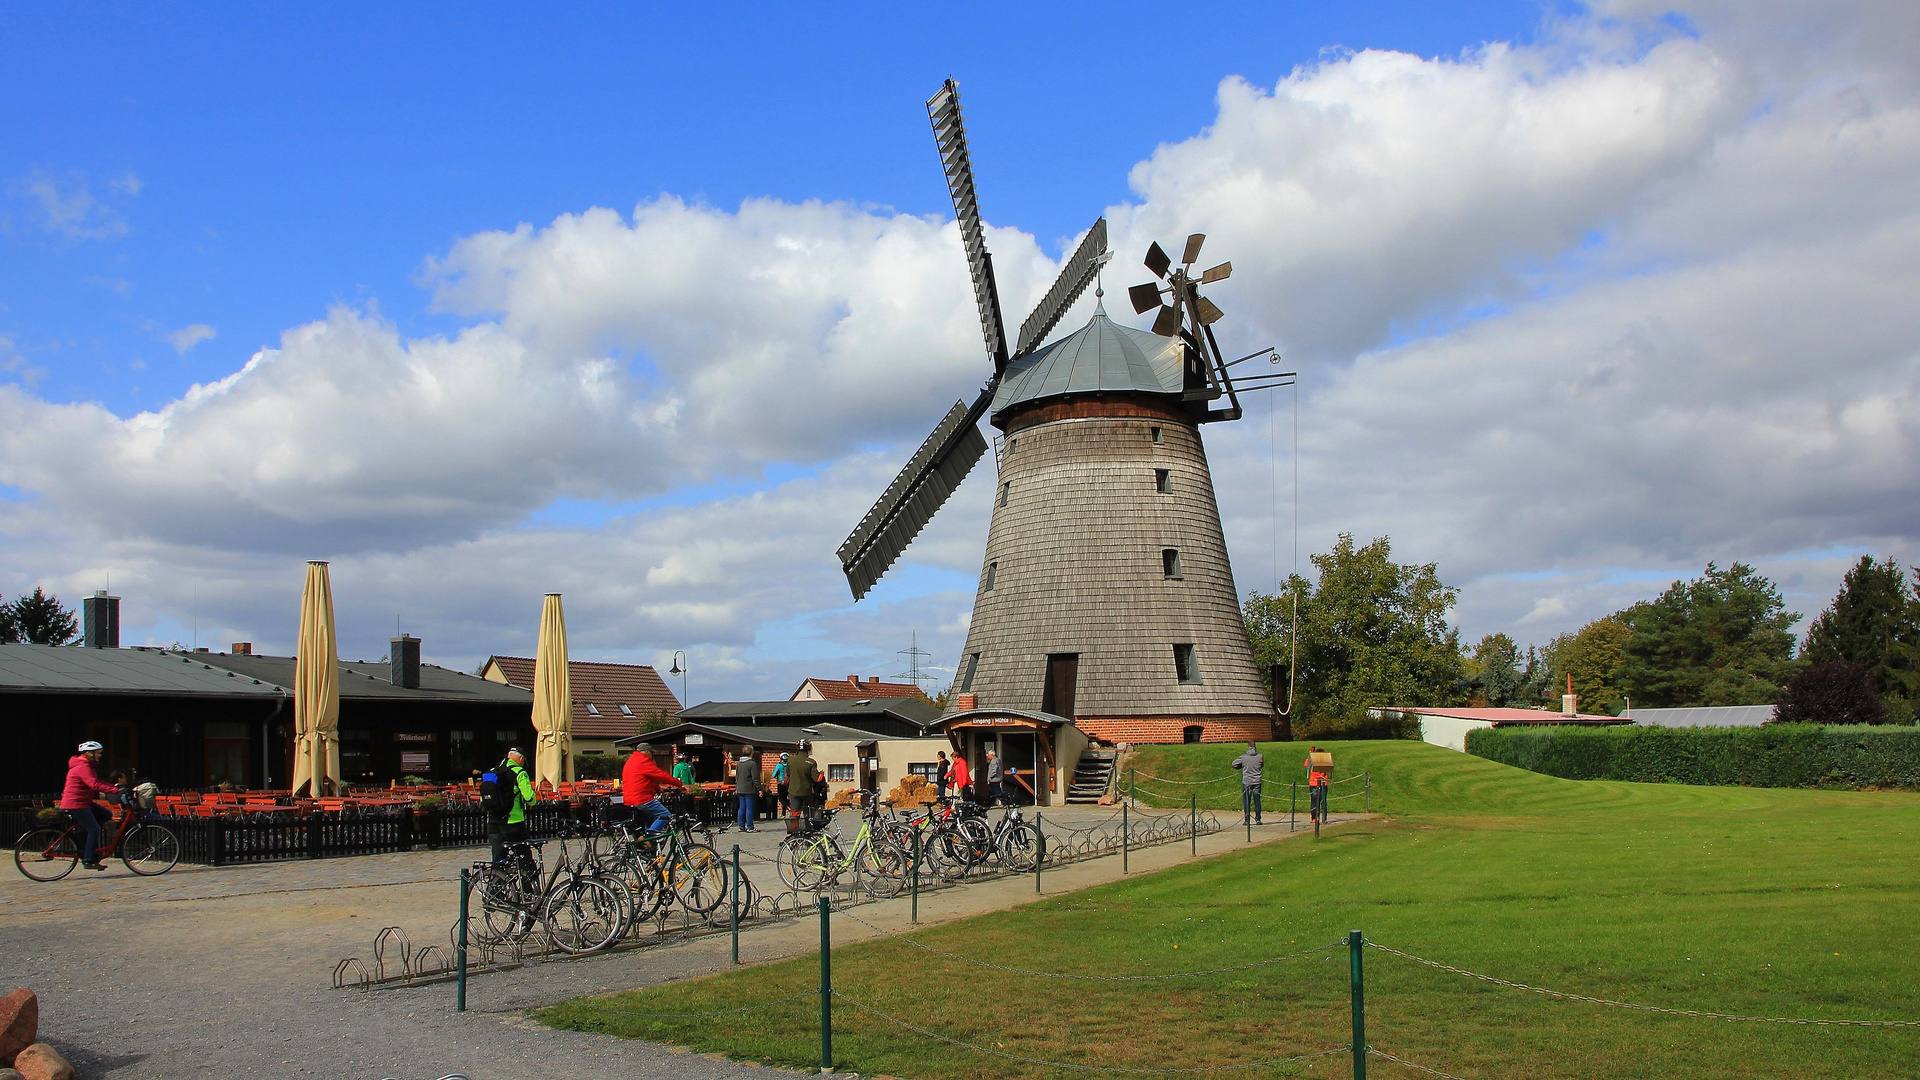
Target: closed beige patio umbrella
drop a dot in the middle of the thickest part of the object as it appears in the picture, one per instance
(316, 690)
(552, 698)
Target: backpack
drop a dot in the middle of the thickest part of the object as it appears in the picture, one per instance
(499, 791)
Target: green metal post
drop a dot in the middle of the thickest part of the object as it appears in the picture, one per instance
(1369, 786)
(1193, 823)
(1039, 848)
(914, 870)
(1355, 945)
(1126, 837)
(460, 950)
(826, 988)
(1293, 804)
(733, 904)
(1130, 785)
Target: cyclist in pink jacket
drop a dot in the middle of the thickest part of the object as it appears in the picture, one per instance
(77, 799)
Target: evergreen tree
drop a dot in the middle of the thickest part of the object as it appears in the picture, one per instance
(41, 620)
(1874, 622)
(1495, 674)
(9, 625)
(1835, 692)
(1372, 632)
(1724, 638)
(1592, 656)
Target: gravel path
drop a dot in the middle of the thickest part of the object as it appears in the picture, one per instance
(226, 972)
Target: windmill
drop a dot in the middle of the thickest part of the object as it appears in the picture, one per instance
(1106, 596)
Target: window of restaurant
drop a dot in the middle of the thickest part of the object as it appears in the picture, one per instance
(463, 754)
(226, 750)
(840, 773)
(927, 770)
(356, 755)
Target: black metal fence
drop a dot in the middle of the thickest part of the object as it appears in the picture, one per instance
(251, 838)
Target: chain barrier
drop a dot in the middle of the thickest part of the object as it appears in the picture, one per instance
(977, 1048)
(903, 939)
(1376, 1052)
(1185, 783)
(1640, 1008)
(698, 1015)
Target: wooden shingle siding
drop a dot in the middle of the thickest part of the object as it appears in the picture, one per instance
(1079, 551)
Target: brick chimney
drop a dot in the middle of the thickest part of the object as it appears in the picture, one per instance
(404, 658)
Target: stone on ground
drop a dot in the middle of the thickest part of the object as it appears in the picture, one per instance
(42, 1062)
(19, 1023)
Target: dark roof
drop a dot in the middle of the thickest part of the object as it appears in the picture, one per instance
(889, 716)
(149, 672)
(374, 681)
(769, 737)
(1101, 357)
(852, 688)
(605, 686)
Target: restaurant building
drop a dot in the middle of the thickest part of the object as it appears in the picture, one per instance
(868, 743)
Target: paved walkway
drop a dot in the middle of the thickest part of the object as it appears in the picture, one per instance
(226, 972)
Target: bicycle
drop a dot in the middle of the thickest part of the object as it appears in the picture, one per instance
(819, 859)
(49, 853)
(1016, 844)
(670, 863)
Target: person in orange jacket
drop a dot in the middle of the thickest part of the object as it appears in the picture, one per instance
(1316, 787)
(640, 784)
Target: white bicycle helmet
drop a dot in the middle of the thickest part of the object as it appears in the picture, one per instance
(90, 745)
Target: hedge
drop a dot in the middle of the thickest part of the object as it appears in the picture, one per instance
(1773, 755)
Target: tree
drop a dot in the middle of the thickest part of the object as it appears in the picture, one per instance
(1724, 638)
(1592, 655)
(1835, 692)
(41, 620)
(1494, 673)
(1874, 622)
(9, 625)
(1372, 632)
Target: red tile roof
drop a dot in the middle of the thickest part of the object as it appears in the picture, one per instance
(852, 688)
(606, 687)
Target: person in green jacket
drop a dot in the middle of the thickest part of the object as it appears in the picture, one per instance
(803, 776)
(512, 828)
(683, 770)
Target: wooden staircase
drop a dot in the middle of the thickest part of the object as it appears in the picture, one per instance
(1092, 775)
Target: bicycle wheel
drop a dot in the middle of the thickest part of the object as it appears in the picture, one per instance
(46, 854)
(883, 866)
(496, 910)
(797, 868)
(949, 854)
(700, 879)
(584, 915)
(150, 849)
(1019, 849)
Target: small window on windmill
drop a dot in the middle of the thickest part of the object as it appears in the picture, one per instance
(1012, 445)
(1170, 563)
(966, 677)
(1163, 480)
(1184, 665)
(1154, 434)
(1005, 488)
(993, 573)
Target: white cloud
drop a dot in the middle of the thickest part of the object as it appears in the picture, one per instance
(1572, 320)
(188, 336)
(67, 207)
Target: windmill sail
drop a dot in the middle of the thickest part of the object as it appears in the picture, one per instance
(950, 134)
(922, 487)
(1074, 277)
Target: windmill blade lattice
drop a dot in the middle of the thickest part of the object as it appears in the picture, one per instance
(922, 487)
(950, 135)
(1075, 276)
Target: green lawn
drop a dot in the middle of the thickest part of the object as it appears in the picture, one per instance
(1754, 901)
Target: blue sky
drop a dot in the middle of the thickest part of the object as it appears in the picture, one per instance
(289, 156)
(646, 306)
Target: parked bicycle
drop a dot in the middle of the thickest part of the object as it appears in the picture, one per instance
(667, 865)
(578, 910)
(814, 860)
(50, 852)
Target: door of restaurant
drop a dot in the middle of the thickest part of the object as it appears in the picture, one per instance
(226, 747)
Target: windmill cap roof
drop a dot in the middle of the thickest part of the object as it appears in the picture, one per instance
(1103, 356)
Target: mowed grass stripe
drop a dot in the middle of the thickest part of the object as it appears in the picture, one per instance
(1749, 901)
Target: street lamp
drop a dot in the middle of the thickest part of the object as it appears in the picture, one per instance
(680, 668)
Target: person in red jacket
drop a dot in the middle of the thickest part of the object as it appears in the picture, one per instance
(962, 780)
(77, 800)
(640, 784)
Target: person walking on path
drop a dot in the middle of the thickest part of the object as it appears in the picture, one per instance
(512, 828)
(940, 776)
(640, 784)
(995, 773)
(76, 798)
(803, 778)
(746, 787)
(1317, 783)
(683, 770)
(962, 783)
(780, 785)
(1250, 765)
